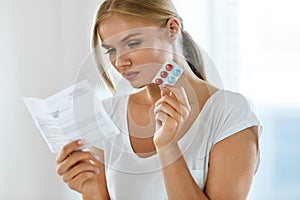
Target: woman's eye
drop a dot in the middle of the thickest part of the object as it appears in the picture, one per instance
(110, 51)
(133, 44)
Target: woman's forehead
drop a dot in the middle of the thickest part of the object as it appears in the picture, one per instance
(116, 27)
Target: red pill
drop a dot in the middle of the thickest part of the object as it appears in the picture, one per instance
(169, 67)
(158, 81)
(163, 74)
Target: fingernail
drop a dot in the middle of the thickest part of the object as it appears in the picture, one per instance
(98, 171)
(158, 101)
(79, 142)
(97, 157)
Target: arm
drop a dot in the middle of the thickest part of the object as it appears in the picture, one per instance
(232, 165)
(231, 169)
(179, 182)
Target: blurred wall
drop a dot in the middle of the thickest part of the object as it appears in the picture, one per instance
(42, 44)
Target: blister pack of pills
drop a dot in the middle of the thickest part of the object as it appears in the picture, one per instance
(168, 74)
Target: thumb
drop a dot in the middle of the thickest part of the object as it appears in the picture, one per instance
(164, 91)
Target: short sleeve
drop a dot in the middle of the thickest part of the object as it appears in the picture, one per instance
(232, 113)
(113, 119)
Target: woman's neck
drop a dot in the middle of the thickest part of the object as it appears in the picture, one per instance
(152, 93)
(146, 97)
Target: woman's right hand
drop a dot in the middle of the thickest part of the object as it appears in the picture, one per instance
(79, 169)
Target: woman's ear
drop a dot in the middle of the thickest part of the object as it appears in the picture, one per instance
(173, 25)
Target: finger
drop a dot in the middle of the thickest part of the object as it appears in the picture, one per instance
(165, 91)
(80, 168)
(74, 158)
(168, 110)
(180, 94)
(171, 100)
(168, 97)
(176, 97)
(78, 181)
(68, 149)
(182, 98)
(161, 117)
(164, 119)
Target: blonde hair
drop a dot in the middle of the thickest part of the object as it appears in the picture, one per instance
(156, 11)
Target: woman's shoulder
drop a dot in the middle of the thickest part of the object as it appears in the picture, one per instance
(228, 98)
(231, 112)
(228, 107)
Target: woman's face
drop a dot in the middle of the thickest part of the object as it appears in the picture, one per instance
(136, 48)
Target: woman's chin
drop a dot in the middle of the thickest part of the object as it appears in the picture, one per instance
(136, 85)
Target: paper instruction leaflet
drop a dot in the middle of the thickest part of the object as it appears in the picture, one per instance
(69, 115)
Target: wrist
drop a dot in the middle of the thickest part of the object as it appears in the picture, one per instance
(169, 154)
(164, 143)
(91, 197)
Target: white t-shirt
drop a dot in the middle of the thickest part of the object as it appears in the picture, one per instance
(130, 177)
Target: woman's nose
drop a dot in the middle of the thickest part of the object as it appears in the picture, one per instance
(122, 61)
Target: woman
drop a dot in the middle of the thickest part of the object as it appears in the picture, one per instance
(189, 140)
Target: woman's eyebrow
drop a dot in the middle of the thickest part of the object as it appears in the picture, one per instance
(123, 39)
(129, 36)
(105, 46)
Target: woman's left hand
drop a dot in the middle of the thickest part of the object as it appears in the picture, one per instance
(171, 111)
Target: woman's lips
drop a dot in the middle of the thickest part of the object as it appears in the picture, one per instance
(131, 75)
